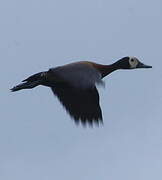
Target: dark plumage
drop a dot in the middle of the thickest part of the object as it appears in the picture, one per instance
(75, 86)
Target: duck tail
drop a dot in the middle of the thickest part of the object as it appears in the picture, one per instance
(30, 82)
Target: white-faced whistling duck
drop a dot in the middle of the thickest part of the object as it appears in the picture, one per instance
(75, 86)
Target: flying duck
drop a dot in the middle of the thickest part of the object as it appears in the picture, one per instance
(75, 86)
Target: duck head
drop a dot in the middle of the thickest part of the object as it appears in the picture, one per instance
(130, 63)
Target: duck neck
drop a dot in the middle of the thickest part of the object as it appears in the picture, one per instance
(107, 69)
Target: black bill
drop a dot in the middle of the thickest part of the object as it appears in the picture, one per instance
(141, 65)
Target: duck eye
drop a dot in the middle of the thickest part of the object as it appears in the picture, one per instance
(132, 60)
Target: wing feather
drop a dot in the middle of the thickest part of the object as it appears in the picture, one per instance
(82, 104)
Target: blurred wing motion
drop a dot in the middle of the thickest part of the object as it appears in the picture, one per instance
(81, 104)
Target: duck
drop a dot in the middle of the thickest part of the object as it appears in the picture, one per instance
(75, 85)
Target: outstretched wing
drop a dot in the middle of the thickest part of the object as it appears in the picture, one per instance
(81, 104)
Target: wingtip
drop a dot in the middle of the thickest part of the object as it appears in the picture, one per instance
(89, 122)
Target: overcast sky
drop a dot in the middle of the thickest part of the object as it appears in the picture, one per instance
(38, 140)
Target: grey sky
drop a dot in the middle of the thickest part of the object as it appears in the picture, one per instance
(38, 140)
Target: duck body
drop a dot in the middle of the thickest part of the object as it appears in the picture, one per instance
(75, 74)
(75, 86)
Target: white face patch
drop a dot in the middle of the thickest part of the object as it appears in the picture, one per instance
(133, 61)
